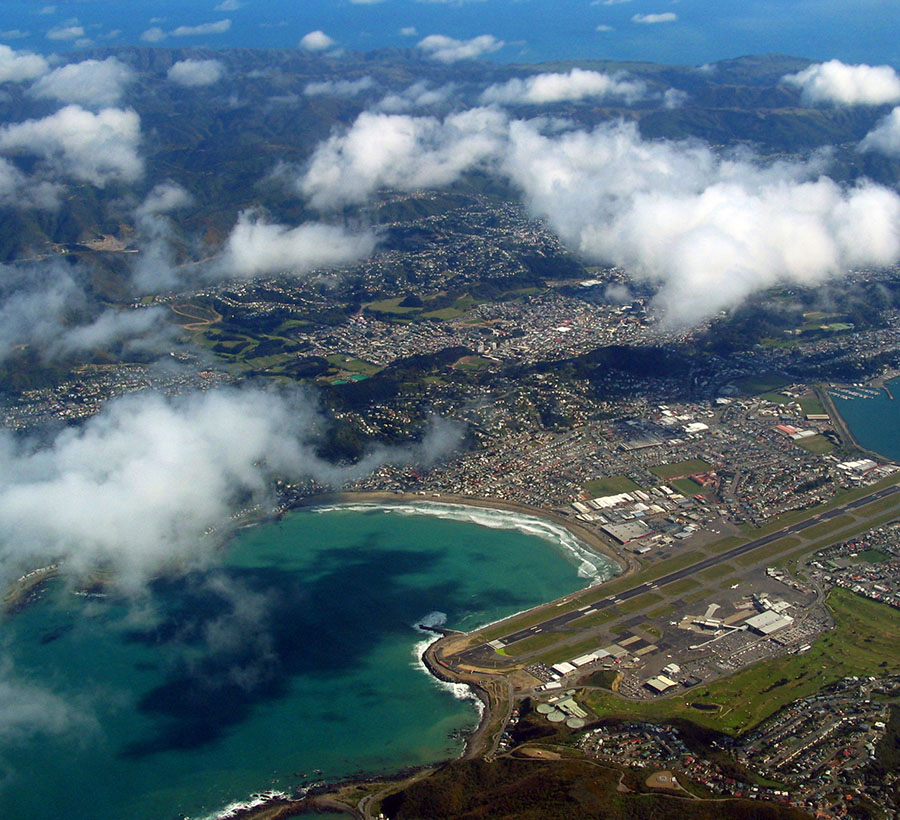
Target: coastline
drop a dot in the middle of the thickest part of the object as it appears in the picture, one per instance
(843, 429)
(492, 702)
(625, 563)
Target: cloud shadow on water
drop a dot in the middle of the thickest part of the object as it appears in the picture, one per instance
(235, 637)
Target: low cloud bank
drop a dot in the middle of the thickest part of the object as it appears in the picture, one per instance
(256, 246)
(447, 50)
(96, 148)
(838, 83)
(709, 230)
(45, 306)
(90, 82)
(577, 84)
(137, 487)
(196, 73)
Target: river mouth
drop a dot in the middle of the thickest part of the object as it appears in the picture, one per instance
(297, 660)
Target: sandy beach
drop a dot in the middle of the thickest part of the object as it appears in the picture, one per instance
(625, 563)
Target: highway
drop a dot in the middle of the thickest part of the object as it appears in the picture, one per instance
(556, 623)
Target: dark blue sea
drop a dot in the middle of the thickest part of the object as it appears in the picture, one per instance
(875, 420)
(701, 31)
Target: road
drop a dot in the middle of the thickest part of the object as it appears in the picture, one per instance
(555, 623)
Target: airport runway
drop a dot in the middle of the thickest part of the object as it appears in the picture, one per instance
(554, 624)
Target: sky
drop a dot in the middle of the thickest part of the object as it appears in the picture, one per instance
(668, 31)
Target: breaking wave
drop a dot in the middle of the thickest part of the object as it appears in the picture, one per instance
(459, 690)
(591, 565)
(236, 808)
(435, 618)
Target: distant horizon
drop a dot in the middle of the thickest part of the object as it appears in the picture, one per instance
(688, 32)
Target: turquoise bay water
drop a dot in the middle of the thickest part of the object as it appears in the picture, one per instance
(298, 654)
(874, 421)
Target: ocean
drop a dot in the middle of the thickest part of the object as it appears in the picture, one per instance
(295, 659)
(689, 32)
(874, 420)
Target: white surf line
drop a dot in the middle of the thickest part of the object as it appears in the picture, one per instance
(591, 566)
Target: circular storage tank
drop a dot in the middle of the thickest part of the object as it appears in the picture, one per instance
(544, 709)
(556, 716)
(575, 723)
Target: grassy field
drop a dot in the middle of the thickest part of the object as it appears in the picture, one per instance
(812, 405)
(663, 611)
(769, 551)
(680, 468)
(762, 383)
(818, 445)
(473, 363)
(639, 602)
(715, 572)
(392, 306)
(682, 586)
(613, 485)
(685, 486)
(725, 544)
(462, 305)
(862, 643)
(776, 398)
(354, 365)
(827, 527)
(533, 644)
(875, 556)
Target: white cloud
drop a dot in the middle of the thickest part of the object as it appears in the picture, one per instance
(164, 198)
(153, 35)
(229, 5)
(409, 31)
(70, 30)
(257, 247)
(396, 151)
(90, 82)
(19, 66)
(219, 27)
(418, 95)
(366, 2)
(46, 306)
(885, 136)
(14, 34)
(155, 268)
(339, 88)
(651, 19)
(674, 98)
(28, 709)
(576, 85)
(709, 231)
(19, 191)
(448, 50)
(316, 41)
(841, 84)
(603, 27)
(96, 148)
(113, 326)
(608, 2)
(194, 73)
(47, 10)
(137, 486)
